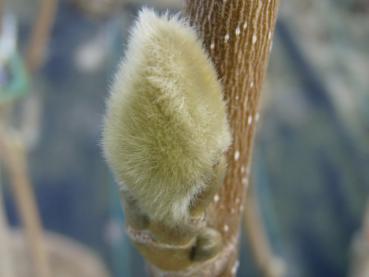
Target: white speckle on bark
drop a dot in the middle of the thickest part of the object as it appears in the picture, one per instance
(238, 31)
(244, 25)
(252, 84)
(236, 155)
(226, 38)
(270, 35)
(226, 228)
(254, 38)
(212, 46)
(249, 120)
(216, 198)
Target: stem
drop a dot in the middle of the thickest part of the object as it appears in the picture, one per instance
(15, 162)
(237, 35)
(40, 34)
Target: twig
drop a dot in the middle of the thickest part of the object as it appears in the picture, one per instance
(40, 34)
(14, 154)
(14, 158)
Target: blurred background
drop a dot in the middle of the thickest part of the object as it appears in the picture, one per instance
(311, 161)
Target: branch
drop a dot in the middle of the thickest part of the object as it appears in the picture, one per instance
(40, 34)
(238, 36)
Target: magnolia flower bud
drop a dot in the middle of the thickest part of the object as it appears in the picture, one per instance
(166, 130)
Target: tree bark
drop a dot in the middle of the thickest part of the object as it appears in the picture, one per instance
(238, 37)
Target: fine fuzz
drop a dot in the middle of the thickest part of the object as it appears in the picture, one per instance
(166, 126)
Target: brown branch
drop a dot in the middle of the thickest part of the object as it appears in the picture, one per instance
(14, 157)
(238, 36)
(40, 35)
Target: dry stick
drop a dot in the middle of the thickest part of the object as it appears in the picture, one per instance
(14, 157)
(270, 265)
(40, 34)
(237, 35)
